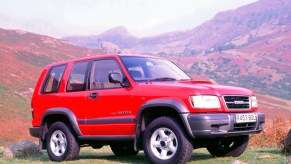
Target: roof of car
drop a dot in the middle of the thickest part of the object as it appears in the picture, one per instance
(101, 56)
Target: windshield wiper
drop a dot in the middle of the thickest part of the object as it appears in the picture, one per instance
(163, 79)
(185, 79)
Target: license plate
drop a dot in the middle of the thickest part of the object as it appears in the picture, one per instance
(241, 118)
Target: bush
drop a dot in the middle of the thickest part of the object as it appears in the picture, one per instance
(273, 134)
(39, 60)
(287, 143)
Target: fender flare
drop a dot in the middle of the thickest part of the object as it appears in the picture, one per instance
(178, 106)
(67, 113)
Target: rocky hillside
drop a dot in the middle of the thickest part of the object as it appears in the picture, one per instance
(22, 57)
(229, 29)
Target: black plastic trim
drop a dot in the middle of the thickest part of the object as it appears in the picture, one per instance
(81, 121)
(34, 131)
(221, 125)
(107, 138)
(66, 112)
(174, 104)
(109, 120)
(177, 105)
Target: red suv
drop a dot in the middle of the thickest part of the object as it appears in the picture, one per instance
(134, 102)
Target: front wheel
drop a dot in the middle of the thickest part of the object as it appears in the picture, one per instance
(61, 143)
(165, 141)
(229, 147)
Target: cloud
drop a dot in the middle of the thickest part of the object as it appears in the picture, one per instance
(144, 17)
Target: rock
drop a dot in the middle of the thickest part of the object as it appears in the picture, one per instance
(287, 143)
(1, 147)
(8, 153)
(21, 147)
(238, 162)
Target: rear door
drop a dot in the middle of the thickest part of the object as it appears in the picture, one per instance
(73, 95)
(108, 105)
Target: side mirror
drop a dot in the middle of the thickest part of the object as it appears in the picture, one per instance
(115, 78)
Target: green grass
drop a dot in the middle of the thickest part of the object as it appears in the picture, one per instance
(253, 155)
(38, 60)
(14, 104)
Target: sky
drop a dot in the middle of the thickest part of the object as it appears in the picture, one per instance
(89, 17)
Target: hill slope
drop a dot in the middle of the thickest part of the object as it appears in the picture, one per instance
(22, 57)
(247, 21)
(230, 28)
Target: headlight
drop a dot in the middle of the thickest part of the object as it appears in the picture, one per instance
(255, 103)
(204, 101)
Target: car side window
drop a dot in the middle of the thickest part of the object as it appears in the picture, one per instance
(78, 77)
(53, 79)
(101, 69)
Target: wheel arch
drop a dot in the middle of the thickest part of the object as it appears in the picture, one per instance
(161, 107)
(63, 115)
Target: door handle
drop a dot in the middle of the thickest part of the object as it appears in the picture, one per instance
(93, 95)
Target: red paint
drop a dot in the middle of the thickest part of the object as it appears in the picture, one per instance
(112, 101)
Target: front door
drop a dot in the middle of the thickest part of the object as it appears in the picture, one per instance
(108, 105)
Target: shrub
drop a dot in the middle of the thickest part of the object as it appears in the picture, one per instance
(273, 134)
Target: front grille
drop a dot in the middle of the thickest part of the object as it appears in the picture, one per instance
(244, 126)
(237, 102)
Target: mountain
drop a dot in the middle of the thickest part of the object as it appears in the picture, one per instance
(226, 27)
(22, 57)
(117, 36)
(221, 32)
(248, 46)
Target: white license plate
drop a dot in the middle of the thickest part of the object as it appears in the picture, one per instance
(241, 118)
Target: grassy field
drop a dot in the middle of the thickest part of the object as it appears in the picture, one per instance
(253, 155)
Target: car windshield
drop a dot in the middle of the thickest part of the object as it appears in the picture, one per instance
(143, 69)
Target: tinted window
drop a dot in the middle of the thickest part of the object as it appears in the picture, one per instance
(145, 69)
(78, 77)
(53, 79)
(100, 74)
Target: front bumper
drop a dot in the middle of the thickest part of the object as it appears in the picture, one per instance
(34, 131)
(222, 125)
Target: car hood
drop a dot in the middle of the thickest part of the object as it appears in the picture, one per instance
(193, 88)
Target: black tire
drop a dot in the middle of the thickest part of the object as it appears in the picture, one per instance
(229, 147)
(158, 138)
(60, 135)
(122, 149)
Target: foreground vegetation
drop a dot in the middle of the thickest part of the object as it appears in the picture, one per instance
(87, 155)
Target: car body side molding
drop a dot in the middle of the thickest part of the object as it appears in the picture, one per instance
(107, 120)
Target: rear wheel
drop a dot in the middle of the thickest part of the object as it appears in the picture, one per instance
(229, 147)
(165, 141)
(122, 149)
(61, 143)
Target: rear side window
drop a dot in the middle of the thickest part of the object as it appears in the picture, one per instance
(53, 79)
(78, 77)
